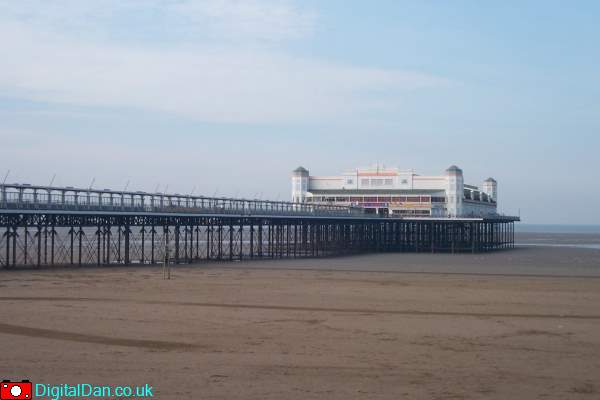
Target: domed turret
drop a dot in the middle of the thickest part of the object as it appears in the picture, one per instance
(454, 170)
(490, 187)
(454, 191)
(300, 178)
(300, 171)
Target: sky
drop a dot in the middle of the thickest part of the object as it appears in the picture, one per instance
(226, 97)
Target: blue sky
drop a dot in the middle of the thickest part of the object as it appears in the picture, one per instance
(229, 96)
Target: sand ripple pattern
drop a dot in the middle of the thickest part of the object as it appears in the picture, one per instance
(313, 309)
(86, 338)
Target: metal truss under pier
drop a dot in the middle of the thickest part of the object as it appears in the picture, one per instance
(38, 238)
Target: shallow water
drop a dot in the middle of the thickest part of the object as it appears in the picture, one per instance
(554, 228)
(555, 239)
(575, 245)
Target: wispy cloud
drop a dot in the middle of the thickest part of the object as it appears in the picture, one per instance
(263, 20)
(236, 20)
(210, 80)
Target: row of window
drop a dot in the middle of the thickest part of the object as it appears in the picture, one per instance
(376, 182)
(411, 212)
(477, 196)
(376, 199)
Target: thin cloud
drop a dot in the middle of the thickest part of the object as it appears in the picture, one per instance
(205, 80)
(262, 20)
(242, 21)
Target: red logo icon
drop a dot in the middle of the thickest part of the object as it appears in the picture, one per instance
(15, 390)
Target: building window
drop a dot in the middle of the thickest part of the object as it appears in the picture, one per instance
(376, 182)
(349, 181)
(364, 182)
(389, 182)
(412, 212)
(404, 182)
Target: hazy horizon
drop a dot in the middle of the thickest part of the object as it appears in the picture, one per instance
(226, 97)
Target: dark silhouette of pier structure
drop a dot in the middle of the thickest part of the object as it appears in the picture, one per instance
(59, 226)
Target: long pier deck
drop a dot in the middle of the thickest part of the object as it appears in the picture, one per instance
(47, 226)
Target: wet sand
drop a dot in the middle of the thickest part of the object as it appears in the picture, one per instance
(520, 324)
(591, 240)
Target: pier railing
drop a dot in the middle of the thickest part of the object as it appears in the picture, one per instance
(28, 197)
(69, 199)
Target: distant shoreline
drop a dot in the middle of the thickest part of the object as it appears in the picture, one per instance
(574, 245)
(556, 228)
(585, 240)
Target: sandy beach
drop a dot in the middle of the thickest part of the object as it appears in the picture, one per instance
(520, 324)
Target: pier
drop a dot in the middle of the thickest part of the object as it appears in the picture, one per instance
(61, 226)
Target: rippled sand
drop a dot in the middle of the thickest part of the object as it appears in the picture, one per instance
(509, 325)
